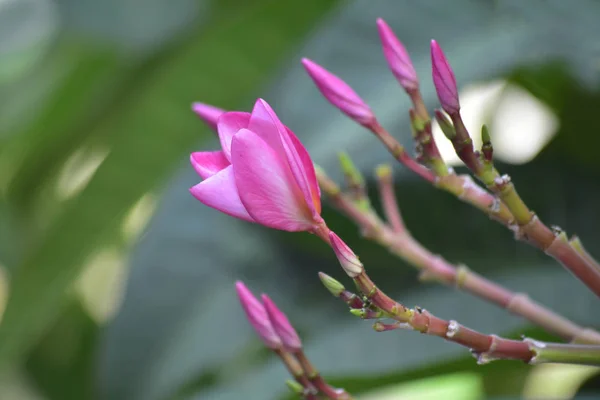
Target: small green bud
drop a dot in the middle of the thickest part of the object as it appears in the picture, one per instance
(486, 146)
(445, 124)
(357, 312)
(334, 287)
(294, 386)
(485, 134)
(418, 124)
(383, 171)
(352, 173)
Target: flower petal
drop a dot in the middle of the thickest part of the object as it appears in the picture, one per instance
(228, 125)
(310, 185)
(266, 188)
(208, 163)
(219, 192)
(265, 123)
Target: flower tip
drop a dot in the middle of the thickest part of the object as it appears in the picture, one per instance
(209, 114)
(346, 257)
(242, 290)
(307, 62)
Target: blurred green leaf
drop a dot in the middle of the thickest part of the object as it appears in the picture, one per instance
(62, 364)
(150, 133)
(461, 386)
(557, 381)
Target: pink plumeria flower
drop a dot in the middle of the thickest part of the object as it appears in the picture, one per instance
(444, 80)
(284, 329)
(258, 317)
(262, 174)
(348, 260)
(207, 113)
(339, 93)
(397, 57)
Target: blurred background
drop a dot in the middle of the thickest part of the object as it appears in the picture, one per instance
(116, 284)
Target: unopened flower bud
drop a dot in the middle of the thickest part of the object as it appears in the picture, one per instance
(348, 260)
(338, 93)
(444, 80)
(397, 57)
(257, 316)
(331, 284)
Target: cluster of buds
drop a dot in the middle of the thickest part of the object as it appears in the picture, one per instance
(263, 174)
(277, 333)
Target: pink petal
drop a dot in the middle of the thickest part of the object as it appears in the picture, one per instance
(228, 125)
(311, 189)
(284, 329)
(209, 114)
(220, 192)
(257, 316)
(208, 163)
(266, 125)
(266, 187)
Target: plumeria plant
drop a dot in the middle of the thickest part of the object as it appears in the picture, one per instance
(263, 174)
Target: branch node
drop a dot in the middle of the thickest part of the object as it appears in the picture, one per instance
(462, 272)
(515, 301)
(453, 328)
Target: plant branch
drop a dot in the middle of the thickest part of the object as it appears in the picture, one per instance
(461, 186)
(388, 198)
(317, 380)
(308, 391)
(484, 347)
(436, 268)
(530, 228)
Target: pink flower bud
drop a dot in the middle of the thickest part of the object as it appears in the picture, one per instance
(397, 57)
(348, 260)
(257, 316)
(209, 114)
(338, 93)
(444, 80)
(281, 324)
(262, 174)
